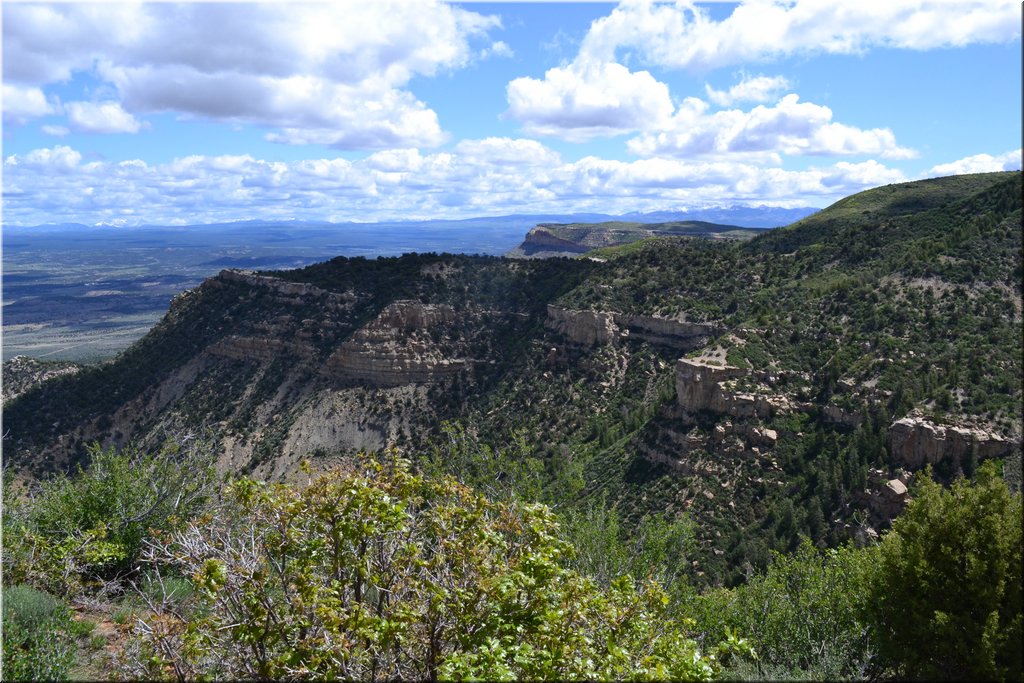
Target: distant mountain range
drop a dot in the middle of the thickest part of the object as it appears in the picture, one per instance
(745, 216)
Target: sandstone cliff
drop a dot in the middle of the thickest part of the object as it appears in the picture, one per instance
(590, 328)
(283, 288)
(918, 441)
(540, 242)
(409, 342)
(704, 386)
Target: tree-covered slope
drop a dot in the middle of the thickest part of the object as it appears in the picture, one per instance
(788, 385)
(927, 298)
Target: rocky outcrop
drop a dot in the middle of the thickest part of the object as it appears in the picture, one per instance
(587, 328)
(541, 242)
(678, 334)
(884, 498)
(836, 415)
(675, 445)
(702, 386)
(591, 328)
(391, 367)
(22, 373)
(405, 344)
(699, 384)
(761, 437)
(259, 349)
(917, 441)
(409, 316)
(285, 290)
(569, 239)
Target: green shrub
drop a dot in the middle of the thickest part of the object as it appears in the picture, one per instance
(38, 635)
(165, 590)
(82, 530)
(945, 596)
(606, 549)
(383, 574)
(803, 615)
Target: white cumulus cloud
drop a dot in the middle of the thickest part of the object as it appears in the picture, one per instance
(498, 48)
(22, 104)
(589, 99)
(101, 117)
(490, 176)
(59, 158)
(980, 163)
(756, 89)
(55, 131)
(597, 95)
(788, 127)
(507, 152)
(326, 73)
(683, 35)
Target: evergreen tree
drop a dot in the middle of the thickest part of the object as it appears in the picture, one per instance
(946, 594)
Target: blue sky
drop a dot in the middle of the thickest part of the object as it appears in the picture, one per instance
(187, 113)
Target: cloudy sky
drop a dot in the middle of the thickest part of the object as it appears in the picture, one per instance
(378, 110)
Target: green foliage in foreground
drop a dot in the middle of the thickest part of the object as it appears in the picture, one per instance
(606, 549)
(804, 614)
(38, 636)
(381, 574)
(946, 593)
(374, 572)
(86, 529)
(938, 598)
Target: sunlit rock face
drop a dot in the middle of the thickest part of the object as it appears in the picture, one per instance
(917, 441)
(592, 328)
(404, 344)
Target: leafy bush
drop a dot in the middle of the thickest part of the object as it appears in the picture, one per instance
(383, 574)
(606, 549)
(509, 473)
(38, 641)
(90, 527)
(945, 598)
(803, 614)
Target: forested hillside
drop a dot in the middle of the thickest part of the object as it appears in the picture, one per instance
(772, 388)
(683, 406)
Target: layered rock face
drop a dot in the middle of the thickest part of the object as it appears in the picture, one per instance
(587, 328)
(407, 343)
(666, 331)
(701, 386)
(410, 316)
(540, 242)
(283, 288)
(404, 344)
(283, 335)
(591, 328)
(917, 441)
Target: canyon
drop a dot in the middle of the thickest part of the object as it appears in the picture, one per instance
(781, 385)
